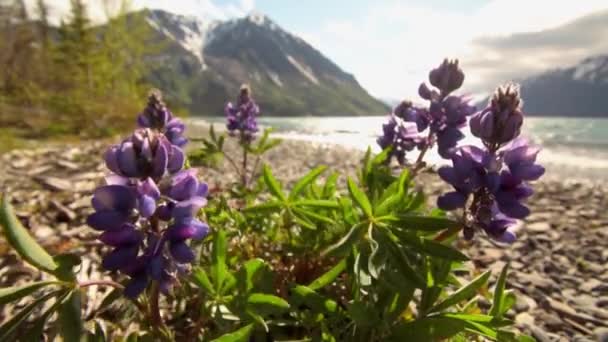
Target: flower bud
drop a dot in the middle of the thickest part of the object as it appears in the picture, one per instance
(447, 77)
(501, 121)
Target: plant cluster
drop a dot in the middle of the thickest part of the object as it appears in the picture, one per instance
(310, 261)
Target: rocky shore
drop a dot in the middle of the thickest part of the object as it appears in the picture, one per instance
(559, 263)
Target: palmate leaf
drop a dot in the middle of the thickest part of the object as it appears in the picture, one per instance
(22, 241)
(303, 295)
(320, 204)
(422, 223)
(36, 330)
(430, 247)
(346, 242)
(14, 322)
(428, 329)
(305, 181)
(264, 207)
(265, 304)
(70, 319)
(329, 276)
(463, 293)
(273, 185)
(400, 260)
(219, 260)
(240, 335)
(248, 274)
(200, 278)
(360, 198)
(10, 294)
(499, 293)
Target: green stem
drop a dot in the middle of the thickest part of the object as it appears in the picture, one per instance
(244, 174)
(101, 283)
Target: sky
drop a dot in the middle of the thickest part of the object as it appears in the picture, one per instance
(390, 45)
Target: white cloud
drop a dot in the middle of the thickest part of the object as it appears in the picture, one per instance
(98, 10)
(392, 47)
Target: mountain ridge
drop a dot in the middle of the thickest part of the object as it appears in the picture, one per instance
(289, 77)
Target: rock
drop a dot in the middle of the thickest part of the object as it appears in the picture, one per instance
(65, 214)
(524, 319)
(68, 165)
(590, 285)
(539, 334)
(601, 334)
(538, 227)
(54, 183)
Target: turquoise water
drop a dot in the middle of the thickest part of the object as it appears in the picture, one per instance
(576, 146)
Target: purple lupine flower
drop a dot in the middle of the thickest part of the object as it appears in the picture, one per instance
(241, 117)
(501, 121)
(147, 153)
(157, 116)
(447, 77)
(402, 136)
(444, 118)
(148, 209)
(490, 182)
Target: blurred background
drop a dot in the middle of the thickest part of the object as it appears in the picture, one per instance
(321, 71)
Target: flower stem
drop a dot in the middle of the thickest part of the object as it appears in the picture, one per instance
(101, 283)
(155, 316)
(244, 174)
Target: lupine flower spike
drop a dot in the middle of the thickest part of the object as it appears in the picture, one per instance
(444, 117)
(490, 183)
(148, 208)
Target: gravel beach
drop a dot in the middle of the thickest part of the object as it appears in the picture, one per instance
(559, 262)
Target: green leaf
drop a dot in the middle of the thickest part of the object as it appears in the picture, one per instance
(304, 222)
(200, 278)
(499, 290)
(481, 329)
(400, 260)
(329, 276)
(14, 322)
(241, 335)
(305, 181)
(322, 204)
(248, 273)
(22, 241)
(484, 319)
(346, 242)
(9, 294)
(36, 331)
(424, 223)
(382, 156)
(330, 185)
(430, 247)
(66, 263)
(273, 185)
(360, 198)
(428, 329)
(264, 207)
(70, 319)
(266, 304)
(463, 293)
(508, 301)
(314, 216)
(303, 295)
(219, 260)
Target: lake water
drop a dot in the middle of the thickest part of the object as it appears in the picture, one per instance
(576, 147)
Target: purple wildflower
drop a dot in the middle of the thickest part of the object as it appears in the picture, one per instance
(490, 183)
(242, 117)
(501, 121)
(157, 116)
(147, 189)
(444, 118)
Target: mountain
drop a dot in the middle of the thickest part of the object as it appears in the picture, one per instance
(580, 90)
(206, 62)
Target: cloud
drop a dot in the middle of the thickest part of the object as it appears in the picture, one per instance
(393, 45)
(99, 10)
(521, 54)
